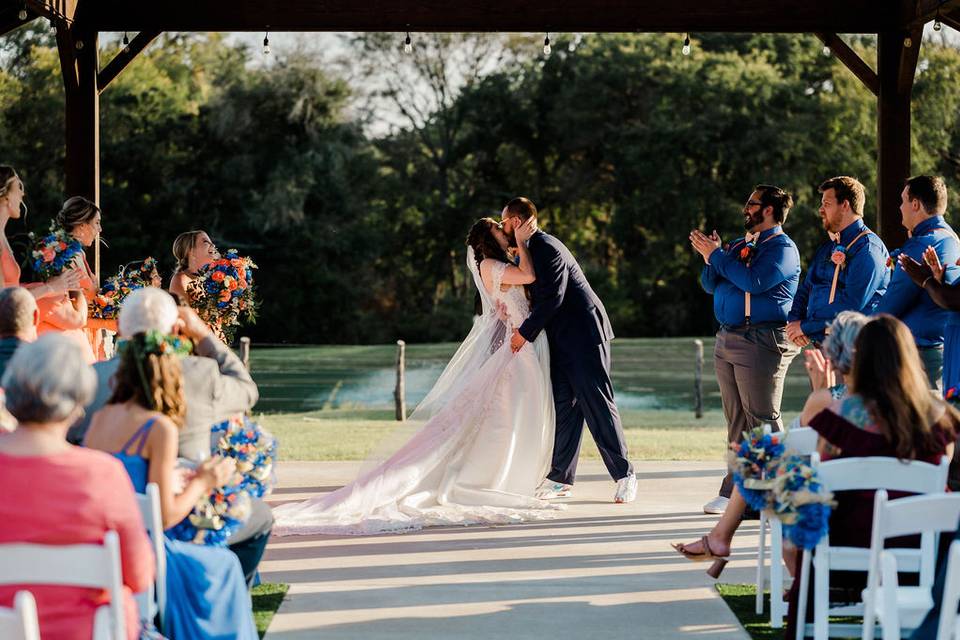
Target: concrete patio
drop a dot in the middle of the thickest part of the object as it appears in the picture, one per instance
(600, 570)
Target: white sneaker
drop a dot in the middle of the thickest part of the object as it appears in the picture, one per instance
(548, 490)
(716, 506)
(626, 489)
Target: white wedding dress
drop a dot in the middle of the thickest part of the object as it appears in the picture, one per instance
(483, 441)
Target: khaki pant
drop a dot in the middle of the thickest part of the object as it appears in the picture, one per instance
(751, 367)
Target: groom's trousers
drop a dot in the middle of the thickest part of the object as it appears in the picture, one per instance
(582, 390)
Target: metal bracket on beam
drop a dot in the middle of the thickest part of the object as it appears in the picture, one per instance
(852, 61)
(125, 57)
(908, 61)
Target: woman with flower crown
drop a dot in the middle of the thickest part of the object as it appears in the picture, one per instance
(207, 596)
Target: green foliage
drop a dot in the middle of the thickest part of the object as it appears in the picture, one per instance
(354, 196)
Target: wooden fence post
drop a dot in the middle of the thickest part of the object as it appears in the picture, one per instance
(399, 394)
(698, 380)
(245, 351)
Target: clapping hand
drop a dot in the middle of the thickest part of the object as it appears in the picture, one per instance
(704, 244)
(819, 369)
(70, 279)
(918, 272)
(933, 261)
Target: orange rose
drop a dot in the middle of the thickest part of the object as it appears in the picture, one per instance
(224, 296)
(218, 276)
(48, 254)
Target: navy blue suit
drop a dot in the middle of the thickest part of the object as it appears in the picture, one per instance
(579, 333)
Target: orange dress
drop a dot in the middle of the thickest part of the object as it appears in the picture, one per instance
(58, 313)
(9, 267)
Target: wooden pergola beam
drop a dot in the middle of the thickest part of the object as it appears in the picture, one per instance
(952, 20)
(927, 10)
(842, 51)
(124, 58)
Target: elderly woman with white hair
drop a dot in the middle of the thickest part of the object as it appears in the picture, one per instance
(57, 494)
(827, 376)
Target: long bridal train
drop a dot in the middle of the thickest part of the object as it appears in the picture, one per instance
(485, 442)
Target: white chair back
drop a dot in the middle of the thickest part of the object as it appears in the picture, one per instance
(949, 627)
(94, 566)
(20, 623)
(802, 440)
(850, 474)
(154, 600)
(927, 515)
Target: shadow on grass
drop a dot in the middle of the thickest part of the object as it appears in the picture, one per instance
(266, 600)
(741, 598)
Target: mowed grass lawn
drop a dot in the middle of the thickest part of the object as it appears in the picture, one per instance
(335, 402)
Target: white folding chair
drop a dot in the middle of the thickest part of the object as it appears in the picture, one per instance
(884, 601)
(801, 441)
(94, 566)
(20, 623)
(154, 600)
(949, 627)
(852, 474)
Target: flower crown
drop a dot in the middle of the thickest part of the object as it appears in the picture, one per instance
(158, 343)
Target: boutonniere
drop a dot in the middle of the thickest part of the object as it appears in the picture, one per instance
(952, 395)
(892, 259)
(749, 248)
(839, 256)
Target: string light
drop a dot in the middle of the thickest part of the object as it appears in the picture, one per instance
(126, 40)
(408, 44)
(907, 42)
(826, 50)
(936, 22)
(266, 42)
(546, 45)
(22, 15)
(686, 44)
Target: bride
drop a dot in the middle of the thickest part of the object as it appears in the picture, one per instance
(484, 434)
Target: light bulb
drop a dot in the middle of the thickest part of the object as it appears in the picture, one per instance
(907, 42)
(23, 14)
(408, 44)
(686, 44)
(126, 40)
(936, 25)
(826, 50)
(546, 46)
(266, 46)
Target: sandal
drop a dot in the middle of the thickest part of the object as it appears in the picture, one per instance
(719, 562)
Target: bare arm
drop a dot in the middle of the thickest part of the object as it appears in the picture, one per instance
(66, 313)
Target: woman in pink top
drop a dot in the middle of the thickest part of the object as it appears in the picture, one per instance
(58, 494)
(12, 207)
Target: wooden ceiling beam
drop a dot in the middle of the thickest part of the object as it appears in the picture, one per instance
(927, 10)
(124, 58)
(842, 52)
(743, 16)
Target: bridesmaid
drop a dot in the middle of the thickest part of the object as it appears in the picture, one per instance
(11, 208)
(67, 313)
(193, 250)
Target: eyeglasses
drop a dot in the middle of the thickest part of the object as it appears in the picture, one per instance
(753, 203)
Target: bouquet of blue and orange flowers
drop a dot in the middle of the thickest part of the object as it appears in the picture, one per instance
(54, 253)
(225, 510)
(801, 502)
(753, 462)
(224, 292)
(106, 304)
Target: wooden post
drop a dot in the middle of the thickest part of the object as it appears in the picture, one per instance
(698, 379)
(399, 394)
(245, 351)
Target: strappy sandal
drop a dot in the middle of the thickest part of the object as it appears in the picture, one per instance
(719, 562)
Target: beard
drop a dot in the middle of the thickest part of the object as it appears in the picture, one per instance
(750, 220)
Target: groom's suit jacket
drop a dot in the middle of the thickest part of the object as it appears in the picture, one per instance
(563, 303)
(216, 386)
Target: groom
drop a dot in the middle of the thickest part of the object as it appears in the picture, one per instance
(579, 334)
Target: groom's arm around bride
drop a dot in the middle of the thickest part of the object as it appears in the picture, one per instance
(565, 306)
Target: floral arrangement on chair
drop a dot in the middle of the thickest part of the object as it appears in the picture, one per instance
(224, 292)
(54, 253)
(225, 510)
(774, 480)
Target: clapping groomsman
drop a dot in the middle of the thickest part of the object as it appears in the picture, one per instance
(848, 272)
(923, 203)
(753, 281)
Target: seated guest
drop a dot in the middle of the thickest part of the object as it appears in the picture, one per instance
(216, 386)
(889, 412)
(19, 318)
(839, 350)
(922, 207)
(58, 494)
(856, 283)
(206, 592)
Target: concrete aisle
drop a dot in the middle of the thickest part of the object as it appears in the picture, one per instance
(600, 570)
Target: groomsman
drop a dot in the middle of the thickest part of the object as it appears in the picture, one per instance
(848, 272)
(753, 282)
(923, 203)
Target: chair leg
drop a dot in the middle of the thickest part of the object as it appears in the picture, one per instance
(802, 596)
(821, 594)
(761, 569)
(776, 575)
(888, 591)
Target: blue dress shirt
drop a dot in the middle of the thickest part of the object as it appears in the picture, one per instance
(771, 279)
(910, 303)
(861, 282)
